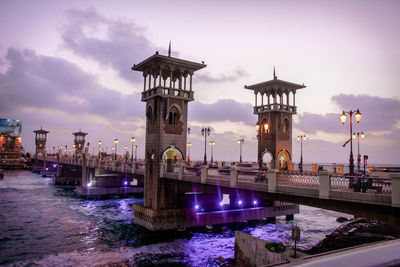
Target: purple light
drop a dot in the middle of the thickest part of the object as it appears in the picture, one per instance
(221, 203)
(255, 202)
(240, 202)
(47, 169)
(54, 165)
(89, 184)
(196, 207)
(125, 183)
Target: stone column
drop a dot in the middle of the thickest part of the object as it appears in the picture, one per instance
(271, 176)
(294, 98)
(133, 167)
(204, 173)
(170, 79)
(234, 176)
(190, 81)
(160, 77)
(84, 169)
(144, 85)
(180, 170)
(395, 189)
(162, 169)
(324, 184)
(255, 95)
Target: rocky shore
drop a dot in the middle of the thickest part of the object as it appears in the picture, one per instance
(355, 232)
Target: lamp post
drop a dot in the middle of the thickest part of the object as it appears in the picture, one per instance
(240, 141)
(358, 148)
(135, 153)
(126, 152)
(301, 138)
(343, 117)
(205, 131)
(115, 149)
(99, 143)
(212, 144)
(189, 144)
(133, 139)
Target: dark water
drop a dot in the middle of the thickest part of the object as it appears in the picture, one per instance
(46, 225)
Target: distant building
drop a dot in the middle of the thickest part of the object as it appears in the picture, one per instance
(10, 144)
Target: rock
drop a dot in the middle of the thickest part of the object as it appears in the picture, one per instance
(221, 259)
(356, 232)
(342, 219)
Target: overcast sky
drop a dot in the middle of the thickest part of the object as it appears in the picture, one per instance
(65, 65)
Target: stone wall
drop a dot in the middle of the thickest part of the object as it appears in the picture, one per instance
(250, 251)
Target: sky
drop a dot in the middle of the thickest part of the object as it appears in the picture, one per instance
(66, 65)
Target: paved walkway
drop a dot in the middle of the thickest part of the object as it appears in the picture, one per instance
(379, 254)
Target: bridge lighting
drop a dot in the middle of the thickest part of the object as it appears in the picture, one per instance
(221, 204)
(196, 207)
(89, 184)
(357, 116)
(126, 183)
(255, 202)
(240, 202)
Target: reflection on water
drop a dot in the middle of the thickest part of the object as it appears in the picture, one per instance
(44, 224)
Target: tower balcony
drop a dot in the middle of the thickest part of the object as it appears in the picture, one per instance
(167, 92)
(275, 107)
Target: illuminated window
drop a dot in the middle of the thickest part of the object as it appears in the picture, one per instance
(173, 116)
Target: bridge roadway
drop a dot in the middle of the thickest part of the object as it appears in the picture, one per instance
(322, 190)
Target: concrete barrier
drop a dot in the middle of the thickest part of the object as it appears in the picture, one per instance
(395, 189)
(233, 176)
(324, 184)
(271, 176)
(204, 174)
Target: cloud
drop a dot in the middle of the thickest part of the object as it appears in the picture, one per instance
(378, 114)
(113, 43)
(222, 110)
(238, 73)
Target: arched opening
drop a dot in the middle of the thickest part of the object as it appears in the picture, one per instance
(266, 126)
(285, 127)
(267, 159)
(171, 156)
(173, 116)
(149, 114)
(283, 160)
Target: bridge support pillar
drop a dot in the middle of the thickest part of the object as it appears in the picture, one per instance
(234, 176)
(395, 189)
(133, 167)
(84, 171)
(114, 164)
(271, 175)
(204, 174)
(324, 184)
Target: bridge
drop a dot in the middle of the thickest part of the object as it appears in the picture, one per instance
(176, 197)
(381, 200)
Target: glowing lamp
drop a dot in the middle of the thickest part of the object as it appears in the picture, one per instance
(358, 116)
(354, 136)
(240, 202)
(257, 127)
(266, 126)
(89, 184)
(362, 135)
(343, 117)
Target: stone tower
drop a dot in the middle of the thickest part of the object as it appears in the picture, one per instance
(274, 106)
(40, 141)
(79, 142)
(167, 90)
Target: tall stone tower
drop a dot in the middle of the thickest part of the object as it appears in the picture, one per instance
(79, 142)
(274, 108)
(40, 141)
(167, 90)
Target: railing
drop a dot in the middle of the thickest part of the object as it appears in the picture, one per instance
(298, 180)
(275, 106)
(360, 184)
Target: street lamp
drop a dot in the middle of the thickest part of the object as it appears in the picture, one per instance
(301, 138)
(133, 139)
(126, 152)
(205, 131)
(358, 135)
(135, 153)
(343, 117)
(189, 144)
(115, 149)
(99, 143)
(212, 144)
(240, 141)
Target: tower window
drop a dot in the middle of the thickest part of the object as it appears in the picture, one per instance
(173, 116)
(285, 126)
